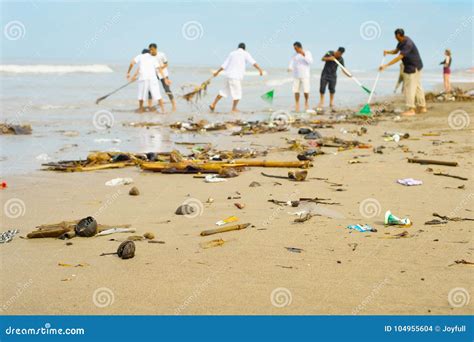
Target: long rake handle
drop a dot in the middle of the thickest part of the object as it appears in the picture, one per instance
(375, 83)
(349, 73)
(113, 92)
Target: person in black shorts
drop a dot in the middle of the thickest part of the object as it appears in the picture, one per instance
(329, 76)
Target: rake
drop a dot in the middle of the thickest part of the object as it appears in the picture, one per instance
(366, 109)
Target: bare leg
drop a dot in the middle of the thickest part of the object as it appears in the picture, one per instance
(150, 103)
(213, 105)
(161, 103)
(140, 106)
(234, 106)
(297, 102)
(306, 101)
(448, 82)
(173, 105)
(331, 100)
(321, 101)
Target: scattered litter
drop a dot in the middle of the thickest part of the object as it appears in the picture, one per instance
(126, 250)
(224, 229)
(134, 191)
(149, 236)
(409, 181)
(392, 220)
(214, 179)
(212, 243)
(463, 262)
(401, 235)
(353, 246)
(135, 238)
(239, 205)
(15, 129)
(303, 217)
(254, 184)
(294, 249)
(8, 236)
(107, 140)
(43, 157)
(362, 228)
(57, 230)
(116, 230)
(434, 162)
(119, 181)
(435, 222)
(439, 173)
(298, 175)
(70, 265)
(185, 209)
(86, 227)
(227, 220)
(456, 219)
(379, 149)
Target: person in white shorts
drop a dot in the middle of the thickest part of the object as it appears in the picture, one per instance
(300, 65)
(234, 69)
(163, 75)
(148, 67)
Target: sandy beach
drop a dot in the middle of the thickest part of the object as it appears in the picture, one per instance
(337, 271)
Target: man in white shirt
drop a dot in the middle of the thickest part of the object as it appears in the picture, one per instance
(234, 69)
(147, 81)
(300, 65)
(163, 75)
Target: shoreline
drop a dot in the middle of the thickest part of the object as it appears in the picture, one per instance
(338, 271)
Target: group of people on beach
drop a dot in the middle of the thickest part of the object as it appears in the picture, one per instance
(153, 69)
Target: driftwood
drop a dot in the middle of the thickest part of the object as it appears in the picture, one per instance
(270, 163)
(187, 166)
(434, 162)
(224, 229)
(446, 218)
(56, 230)
(448, 175)
(199, 90)
(15, 129)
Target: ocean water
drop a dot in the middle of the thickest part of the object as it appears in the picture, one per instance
(59, 103)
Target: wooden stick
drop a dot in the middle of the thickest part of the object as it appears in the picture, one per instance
(434, 162)
(224, 229)
(448, 175)
(270, 163)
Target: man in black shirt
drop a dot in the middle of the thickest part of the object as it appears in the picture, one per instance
(329, 76)
(412, 63)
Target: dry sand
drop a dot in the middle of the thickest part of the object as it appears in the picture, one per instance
(412, 275)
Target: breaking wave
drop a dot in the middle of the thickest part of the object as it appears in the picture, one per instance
(54, 69)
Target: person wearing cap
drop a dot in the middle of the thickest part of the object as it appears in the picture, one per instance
(234, 69)
(412, 66)
(300, 65)
(329, 76)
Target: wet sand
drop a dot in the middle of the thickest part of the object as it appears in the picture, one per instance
(339, 271)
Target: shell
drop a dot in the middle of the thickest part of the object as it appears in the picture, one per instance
(134, 191)
(126, 250)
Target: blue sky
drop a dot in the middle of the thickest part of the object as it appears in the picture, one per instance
(113, 32)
